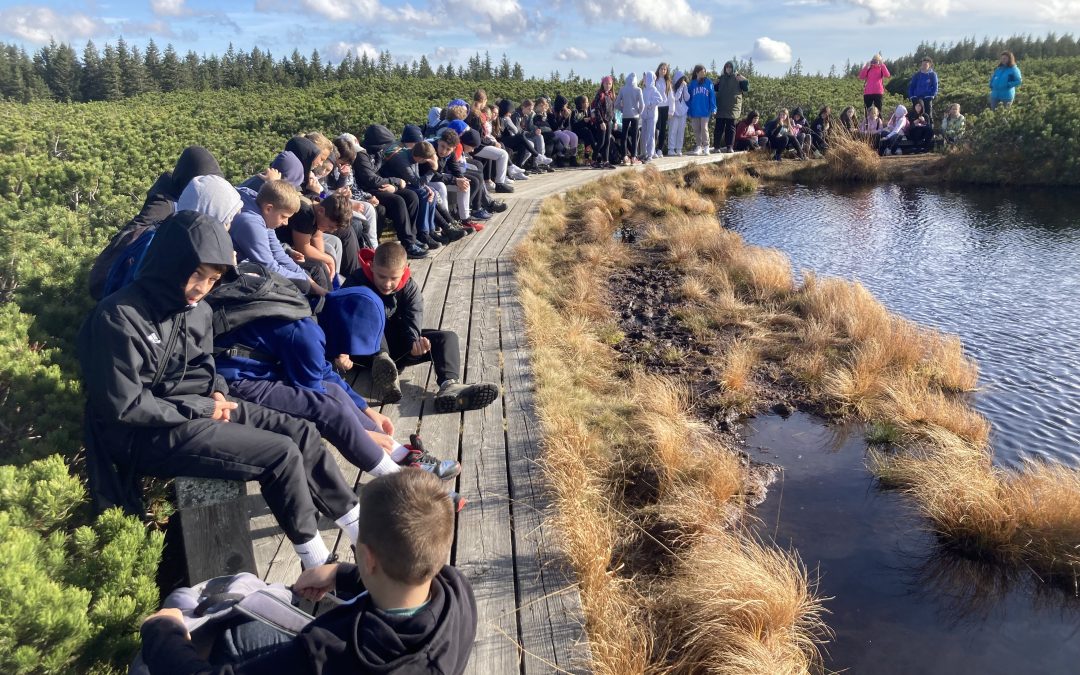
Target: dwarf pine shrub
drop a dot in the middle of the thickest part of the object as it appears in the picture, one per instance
(71, 596)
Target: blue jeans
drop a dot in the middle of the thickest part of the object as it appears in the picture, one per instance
(246, 639)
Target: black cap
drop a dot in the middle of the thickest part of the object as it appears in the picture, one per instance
(471, 138)
(412, 134)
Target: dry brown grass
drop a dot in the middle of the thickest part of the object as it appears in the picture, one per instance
(851, 160)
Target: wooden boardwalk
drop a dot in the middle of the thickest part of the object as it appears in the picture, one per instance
(530, 613)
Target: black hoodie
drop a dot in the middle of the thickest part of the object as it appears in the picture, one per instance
(368, 162)
(351, 639)
(125, 340)
(160, 203)
(305, 150)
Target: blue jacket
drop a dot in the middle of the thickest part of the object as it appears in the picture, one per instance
(1004, 81)
(923, 85)
(702, 99)
(254, 241)
(299, 350)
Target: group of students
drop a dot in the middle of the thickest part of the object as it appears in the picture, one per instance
(226, 317)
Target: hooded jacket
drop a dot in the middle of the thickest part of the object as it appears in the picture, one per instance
(287, 165)
(369, 160)
(630, 101)
(652, 95)
(305, 150)
(680, 96)
(897, 123)
(145, 327)
(1004, 81)
(256, 242)
(923, 85)
(212, 196)
(702, 98)
(404, 307)
(603, 104)
(874, 74)
(353, 638)
(729, 91)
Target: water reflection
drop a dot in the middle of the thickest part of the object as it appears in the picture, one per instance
(900, 602)
(997, 267)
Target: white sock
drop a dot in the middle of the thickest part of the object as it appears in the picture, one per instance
(348, 524)
(386, 465)
(312, 553)
(399, 452)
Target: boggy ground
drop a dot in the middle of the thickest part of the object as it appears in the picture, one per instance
(643, 353)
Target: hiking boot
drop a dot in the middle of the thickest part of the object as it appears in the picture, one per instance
(384, 376)
(504, 187)
(497, 206)
(439, 237)
(453, 232)
(420, 458)
(431, 243)
(414, 252)
(456, 397)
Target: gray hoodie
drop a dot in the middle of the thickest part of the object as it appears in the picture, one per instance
(212, 196)
(630, 100)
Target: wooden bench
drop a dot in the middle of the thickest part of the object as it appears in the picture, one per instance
(214, 528)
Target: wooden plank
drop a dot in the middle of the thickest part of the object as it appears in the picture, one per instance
(527, 222)
(515, 215)
(216, 540)
(552, 625)
(483, 550)
(472, 244)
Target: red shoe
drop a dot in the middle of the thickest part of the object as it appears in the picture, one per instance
(474, 225)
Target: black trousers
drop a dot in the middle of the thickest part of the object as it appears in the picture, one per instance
(602, 151)
(445, 353)
(586, 135)
(928, 107)
(873, 100)
(724, 133)
(631, 127)
(661, 129)
(350, 250)
(285, 454)
(318, 271)
(395, 208)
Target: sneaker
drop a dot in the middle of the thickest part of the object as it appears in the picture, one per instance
(482, 214)
(453, 232)
(899, 151)
(456, 397)
(414, 252)
(573, 161)
(543, 160)
(458, 500)
(384, 376)
(497, 206)
(504, 188)
(430, 242)
(474, 225)
(437, 236)
(490, 185)
(420, 458)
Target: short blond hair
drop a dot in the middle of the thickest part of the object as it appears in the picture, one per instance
(321, 142)
(456, 112)
(280, 194)
(407, 522)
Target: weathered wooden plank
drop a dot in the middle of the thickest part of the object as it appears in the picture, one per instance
(476, 243)
(515, 215)
(484, 550)
(549, 608)
(519, 233)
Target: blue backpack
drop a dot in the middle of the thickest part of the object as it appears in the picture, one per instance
(127, 262)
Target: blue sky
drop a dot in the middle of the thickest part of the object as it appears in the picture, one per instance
(589, 36)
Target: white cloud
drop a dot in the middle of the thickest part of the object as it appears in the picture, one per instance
(169, 7)
(1059, 11)
(888, 10)
(572, 54)
(349, 10)
(767, 49)
(638, 46)
(441, 53)
(40, 24)
(666, 16)
(340, 50)
(500, 18)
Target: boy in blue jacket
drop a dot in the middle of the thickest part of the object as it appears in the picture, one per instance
(924, 87)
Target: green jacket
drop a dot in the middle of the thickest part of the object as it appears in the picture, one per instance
(729, 93)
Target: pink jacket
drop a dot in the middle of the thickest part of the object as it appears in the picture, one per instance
(874, 76)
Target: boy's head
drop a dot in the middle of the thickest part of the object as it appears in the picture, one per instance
(202, 281)
(456, 112)
(406, 528)
(526, 106)
(346, 151)
(388, 266)
(322, 143)
(278, 201)
(423, 152)
(448, 141)
(333, 213)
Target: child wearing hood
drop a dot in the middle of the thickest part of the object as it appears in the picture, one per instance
(894, 132)
(157, 406)
(631, 103)
(952, 125)
(700, 108)
(602, 112)
(384, 270)
(677, 105)
(412, 612)
(561, 121)
(729, 87)
(581, 125)
(653, 99)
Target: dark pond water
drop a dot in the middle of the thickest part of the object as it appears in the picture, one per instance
(1001, 268)
(898, 605)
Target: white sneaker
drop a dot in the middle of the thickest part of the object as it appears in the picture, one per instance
(899, 151)
(543, 159)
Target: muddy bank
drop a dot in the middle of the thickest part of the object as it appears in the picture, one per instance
(903, 170)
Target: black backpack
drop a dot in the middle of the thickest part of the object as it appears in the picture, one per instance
(255, 293)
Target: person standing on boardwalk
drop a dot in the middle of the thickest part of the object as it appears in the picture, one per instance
(602, 112)
(729, 87)
(663, 83)
(632, 103)
(700, 108)
(653, 99)
(874, 74)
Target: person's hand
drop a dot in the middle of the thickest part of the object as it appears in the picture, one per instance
(331, 268)
(381, 421)
(430, 195)
(400, 182)
(345, 170)
(387, 188)
(462, 183)
(272, 174)
(222, 407)
(420, 347)
(603, 126)
(344, 362)
(344, 190)
(374, 201)
(739, 77)
(313, 584)
(313, 184)
(382, 440)
(316, 288)
(171, 614)
(297, 256)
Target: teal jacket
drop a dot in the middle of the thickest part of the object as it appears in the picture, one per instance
(1004, 81)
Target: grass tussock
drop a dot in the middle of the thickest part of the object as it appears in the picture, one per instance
(638, 481)
(851, 160)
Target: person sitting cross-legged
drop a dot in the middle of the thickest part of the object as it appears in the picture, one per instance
(384, 270)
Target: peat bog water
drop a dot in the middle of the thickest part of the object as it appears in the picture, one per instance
(1000, 268)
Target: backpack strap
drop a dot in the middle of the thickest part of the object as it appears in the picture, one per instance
(170, 345)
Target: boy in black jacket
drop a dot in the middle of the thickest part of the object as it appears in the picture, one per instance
(414, 614)
(406, 343)
(156, 405)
